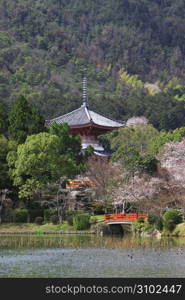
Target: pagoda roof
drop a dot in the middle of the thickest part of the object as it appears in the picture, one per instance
(85, 116)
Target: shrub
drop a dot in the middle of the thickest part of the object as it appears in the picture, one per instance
(54, 220)
(141, 220)
(152, 219)
(156, 220)
(159, 224)
(48, 213)
(81, 222)
(170, 225)
(70, 220)
(39, 220)
(20, 215)
(171, 218)
(138, 226)
(70, 214)
(8, 216)
(34, 205)
(34, 213)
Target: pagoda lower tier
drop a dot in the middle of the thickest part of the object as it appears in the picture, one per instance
(89, 137)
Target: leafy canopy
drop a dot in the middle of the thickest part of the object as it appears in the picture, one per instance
(171, 218)
(131, 146)
(40, 161)
(137, 136)
(164, 137)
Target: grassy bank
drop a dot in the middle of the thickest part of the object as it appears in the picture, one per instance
(34, 228)
(48, 227)
(29, 227)
(179, 230)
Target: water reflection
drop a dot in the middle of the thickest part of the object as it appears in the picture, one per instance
(91, 256)
(86, 241)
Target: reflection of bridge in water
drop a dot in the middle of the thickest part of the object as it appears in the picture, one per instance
(114, 219)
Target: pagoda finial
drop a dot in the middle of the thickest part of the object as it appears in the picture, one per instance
(85, 101)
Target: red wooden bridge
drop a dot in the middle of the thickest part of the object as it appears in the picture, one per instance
(75, 183)
(123, 218)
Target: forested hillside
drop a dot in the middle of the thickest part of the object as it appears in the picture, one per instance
(45, 46)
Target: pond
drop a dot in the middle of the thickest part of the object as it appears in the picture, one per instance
(84, 256)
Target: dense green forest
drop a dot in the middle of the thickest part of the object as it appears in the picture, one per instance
(46, 45)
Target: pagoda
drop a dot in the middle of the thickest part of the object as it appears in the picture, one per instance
(88, 124)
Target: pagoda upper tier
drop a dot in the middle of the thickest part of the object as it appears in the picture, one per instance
(83, 116)
(88, 125)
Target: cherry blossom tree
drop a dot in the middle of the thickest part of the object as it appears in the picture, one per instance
(136, 191)
(173, 160)
(144, 192)
(103, 173)
(156, 193)
(147, 194)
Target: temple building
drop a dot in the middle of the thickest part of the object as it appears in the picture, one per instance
(88, 124)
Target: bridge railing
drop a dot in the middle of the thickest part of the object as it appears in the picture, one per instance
(79, 182)
(124, 217)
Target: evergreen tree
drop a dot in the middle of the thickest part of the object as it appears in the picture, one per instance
(4, 177)
(24, 120)
(69, 145)
(37, 122)
(3, 120)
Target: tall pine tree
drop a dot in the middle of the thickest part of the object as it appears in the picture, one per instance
(24, 120)
(3, 120)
